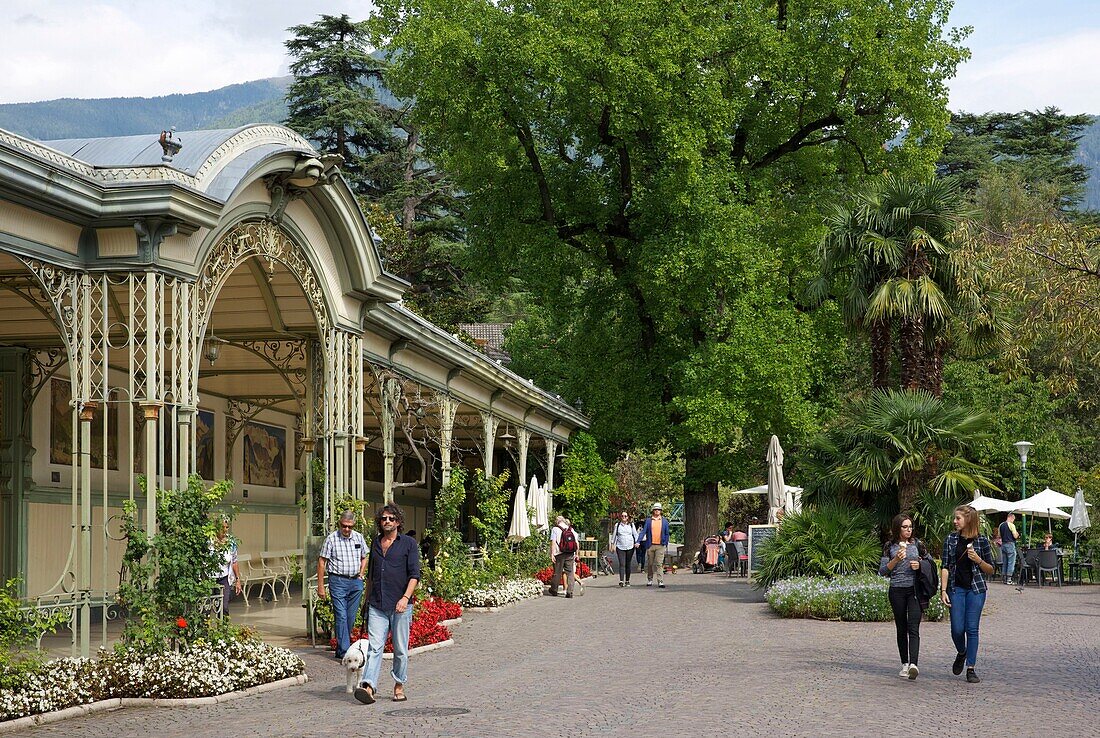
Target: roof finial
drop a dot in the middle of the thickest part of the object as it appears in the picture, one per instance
(169, 144)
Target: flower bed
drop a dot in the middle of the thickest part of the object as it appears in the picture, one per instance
(860, 597)
(503, 593)
(200, 670)
(583, 572)
(424, 629)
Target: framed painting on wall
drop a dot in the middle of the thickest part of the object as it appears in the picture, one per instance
(204, 444)
(61, 428)
(264, 454)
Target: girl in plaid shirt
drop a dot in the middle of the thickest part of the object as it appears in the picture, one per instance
(967, 560)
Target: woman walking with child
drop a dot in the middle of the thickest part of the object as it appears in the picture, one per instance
(901, 563)
(967, 560)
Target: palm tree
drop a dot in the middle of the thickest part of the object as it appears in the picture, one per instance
(898, 442)
(889, 258)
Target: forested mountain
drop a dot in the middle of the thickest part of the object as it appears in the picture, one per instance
(258, 101)
(262, 101)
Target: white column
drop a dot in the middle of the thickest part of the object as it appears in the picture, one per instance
(489, 425)
(448, 407)
(523, 441)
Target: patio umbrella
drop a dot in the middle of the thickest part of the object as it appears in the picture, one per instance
(984, 504)
(540, 503)
(1079, 518)
(1050, 498)
(520, 527)
(777, 493)
(1040, 508)
(762, 489)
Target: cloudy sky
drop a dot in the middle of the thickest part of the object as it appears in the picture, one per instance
(1027, 54)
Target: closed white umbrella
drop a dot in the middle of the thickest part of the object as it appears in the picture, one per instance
(520, 527)
(777, 492)
(1079, 518)
(541, 504)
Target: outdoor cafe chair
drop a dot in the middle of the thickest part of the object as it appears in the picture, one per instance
(1029, 565)
(1049, 563)
(1078, 567)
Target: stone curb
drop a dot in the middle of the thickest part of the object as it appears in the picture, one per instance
(451, 622)
(119, 702)
(423, 649)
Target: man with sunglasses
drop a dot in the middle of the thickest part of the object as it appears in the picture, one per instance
(344, 557)
(392, 576)
(654, 538)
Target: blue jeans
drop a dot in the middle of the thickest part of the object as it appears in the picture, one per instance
(1008, 560)
(966, 611)
(379, 624)
(345, 594)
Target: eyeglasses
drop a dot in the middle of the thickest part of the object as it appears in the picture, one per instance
(347, 527)
(624, 516)
(387, 517)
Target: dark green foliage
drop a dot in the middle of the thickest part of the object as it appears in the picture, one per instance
(259, 101)
(332, 103)
(824, 540)
(492, 505)
(172, 576)
(1038, 145)
(19, 629)
(891, 445)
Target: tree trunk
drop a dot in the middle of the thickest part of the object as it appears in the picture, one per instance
(908, 491)
(408, 211)
(911, 335)
(880, 354)
(700, 502)
(933, 376)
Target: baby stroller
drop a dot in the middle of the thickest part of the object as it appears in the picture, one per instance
(706, 558)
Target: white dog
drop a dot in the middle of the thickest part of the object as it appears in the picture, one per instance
(354, 661)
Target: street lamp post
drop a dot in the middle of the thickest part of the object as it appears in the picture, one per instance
(1023, 448)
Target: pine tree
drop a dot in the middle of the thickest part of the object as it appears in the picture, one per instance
(332, 101)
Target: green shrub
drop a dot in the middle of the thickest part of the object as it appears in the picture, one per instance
(858, 597)
(19, 632)
(828, 540)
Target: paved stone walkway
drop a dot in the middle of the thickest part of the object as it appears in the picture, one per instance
(704, 656)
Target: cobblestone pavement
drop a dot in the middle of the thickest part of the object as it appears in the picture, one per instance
(703, 656)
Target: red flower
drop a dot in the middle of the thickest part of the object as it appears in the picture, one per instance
(181, 622)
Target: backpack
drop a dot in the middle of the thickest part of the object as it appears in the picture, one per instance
(926, 581)
(568, 542)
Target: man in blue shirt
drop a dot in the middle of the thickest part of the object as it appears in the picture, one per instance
(654, 538)
(392, 575)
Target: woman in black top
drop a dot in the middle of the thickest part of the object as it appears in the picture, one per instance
(901, 562)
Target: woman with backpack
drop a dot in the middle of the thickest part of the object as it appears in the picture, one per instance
(900, 562)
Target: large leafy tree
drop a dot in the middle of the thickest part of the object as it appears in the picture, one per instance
(649, 170)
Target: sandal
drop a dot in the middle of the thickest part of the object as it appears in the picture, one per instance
(365, 695)
(399, 696)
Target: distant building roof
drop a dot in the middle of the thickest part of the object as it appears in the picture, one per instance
(490, 338)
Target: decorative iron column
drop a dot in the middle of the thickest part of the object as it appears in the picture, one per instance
(448, 408)
(489, 424)
(15, 432)
(390, 390)
(551, 455)
(523, 442)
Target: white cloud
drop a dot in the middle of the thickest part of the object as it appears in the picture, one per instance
(1063, 71)
(127, 48)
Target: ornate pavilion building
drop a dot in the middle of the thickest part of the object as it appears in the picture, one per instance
(218, 309)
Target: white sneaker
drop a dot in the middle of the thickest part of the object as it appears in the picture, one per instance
(913, 671)
(649, 583)
(904, 670)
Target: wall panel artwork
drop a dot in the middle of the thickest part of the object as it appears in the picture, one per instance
(204, 444)
(61, 428)
(264, 454)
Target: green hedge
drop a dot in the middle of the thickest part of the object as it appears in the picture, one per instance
(860, 598)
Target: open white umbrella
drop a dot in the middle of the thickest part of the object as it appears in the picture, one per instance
(777, 488)
(1038, 508)
(984, 504)
(1079, 518)
(520, 527)
(1050, 498)
(762, 489)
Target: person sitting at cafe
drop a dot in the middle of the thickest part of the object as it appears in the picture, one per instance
(1048, 543)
